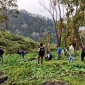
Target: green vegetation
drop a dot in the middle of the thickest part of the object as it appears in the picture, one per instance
(12, 42)
(9, 41)
(25, 72)
(31, 25)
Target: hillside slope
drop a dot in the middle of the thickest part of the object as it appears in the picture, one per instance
(33, 26)
(13, 42)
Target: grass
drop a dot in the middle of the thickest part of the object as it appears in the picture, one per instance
(23, 72)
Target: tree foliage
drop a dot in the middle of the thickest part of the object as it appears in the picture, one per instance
(55, 10)
(74, 19)
(32, 25)
(7, 8)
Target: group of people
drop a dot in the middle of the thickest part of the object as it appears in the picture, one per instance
(60, 51)
(20, 52)
(48, 54)
(63, 51)
(71, 52)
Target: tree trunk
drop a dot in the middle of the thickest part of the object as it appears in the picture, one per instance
(57, 37)
(6, 24)
(79, 43)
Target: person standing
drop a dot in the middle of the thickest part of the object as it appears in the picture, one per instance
(71, 53)
(59, 51)
(41, 53)
(83, 53)
(1, 54)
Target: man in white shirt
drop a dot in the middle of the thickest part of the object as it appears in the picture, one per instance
(71, 53)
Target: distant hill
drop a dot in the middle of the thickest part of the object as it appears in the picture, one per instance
(9, 41)
(32, 26)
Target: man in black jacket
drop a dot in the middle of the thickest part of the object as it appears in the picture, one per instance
(1, 54)
(83, 53)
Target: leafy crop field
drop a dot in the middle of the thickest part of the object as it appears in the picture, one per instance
(26, 72)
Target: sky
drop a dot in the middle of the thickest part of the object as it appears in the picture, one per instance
(33, 7)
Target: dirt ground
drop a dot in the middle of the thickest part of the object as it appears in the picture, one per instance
(2, 77)
(54, 83)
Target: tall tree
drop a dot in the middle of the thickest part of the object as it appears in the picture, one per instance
(55, 10)
(48, 41)
(7, 8)
(75, 11)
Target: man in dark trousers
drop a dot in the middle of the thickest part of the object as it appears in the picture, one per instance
(21, 53)
(83, 53)
(1, 54)
(41, 53)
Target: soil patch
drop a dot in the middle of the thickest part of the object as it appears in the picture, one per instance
(54, 83)
(32, 59)
(2, 77)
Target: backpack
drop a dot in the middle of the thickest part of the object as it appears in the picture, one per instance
(23, 52)
(42, 51)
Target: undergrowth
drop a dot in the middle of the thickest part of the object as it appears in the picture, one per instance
(24, 72)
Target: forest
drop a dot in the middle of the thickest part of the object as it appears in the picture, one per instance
(32, 25)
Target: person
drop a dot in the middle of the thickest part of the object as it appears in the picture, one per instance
(23, 53)
(41, 53)
(19, 52)
(83, 52)
(1, 54)
(64, 52)
(71, 53)
(49, 56)
(59, 51)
